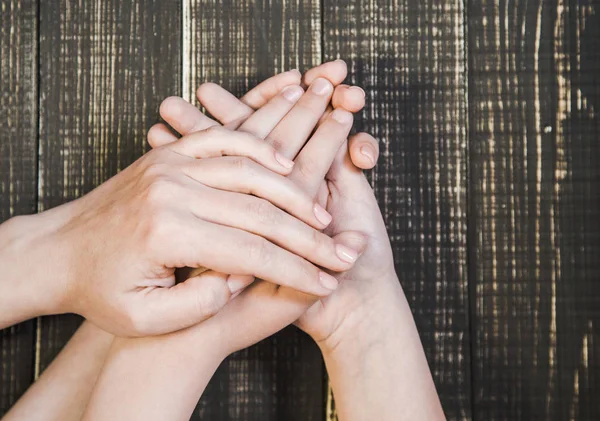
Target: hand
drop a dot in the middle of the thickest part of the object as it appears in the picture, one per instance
(169, 210)
(183, 116)
(365, 324)
(354, 208)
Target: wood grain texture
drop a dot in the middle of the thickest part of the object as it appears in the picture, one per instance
(105, 67)
(238, 44)
(18, 168)
(535, 182)
(410, 58)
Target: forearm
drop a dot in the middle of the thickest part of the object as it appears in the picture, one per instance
(63, 390)
(162, 377)
(378, 368)
(155, 378)
(33, 267)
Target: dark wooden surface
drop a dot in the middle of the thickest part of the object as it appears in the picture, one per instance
(18, 168)
(488, 113)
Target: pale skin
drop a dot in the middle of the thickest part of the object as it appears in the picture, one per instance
(111, 255)
(364, 329)
(56, 384)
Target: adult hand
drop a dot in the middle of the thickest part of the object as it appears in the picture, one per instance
(122, 242)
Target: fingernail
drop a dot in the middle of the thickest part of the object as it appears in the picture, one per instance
(287, 163)
(321, 86)
(345, 253)
(295, 71)
(322, 215)
(342, 116)
(238, 282)
(368, 153)
(328, 281)
(339, 59)
(292, 93)
(358, 88)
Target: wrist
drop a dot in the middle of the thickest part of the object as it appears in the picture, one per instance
(369, 322)
(34, 263)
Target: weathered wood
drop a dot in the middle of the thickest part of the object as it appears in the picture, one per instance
(237, 44)
(535, 208)
(18, 168)
(410, 58)
(105, 67)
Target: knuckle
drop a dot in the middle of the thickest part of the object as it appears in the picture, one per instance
(275, 142)
(160, 229)
(307, 167)
(243, 164)
(310, 107)
(160, 190)
(264, 212)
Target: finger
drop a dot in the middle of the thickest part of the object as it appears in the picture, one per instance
(238, 283)
(334, 71)
(160, 135)
(223, 105)
(217, 142)
(343, 174)
(351, 98)
(264, 120)
(364, 150)
(242, 175)
(235, 251)
(261, 311)
(188, 303)
(266, 90)
(260, 217)
(314, 161)
(291, 133)
(183, 116)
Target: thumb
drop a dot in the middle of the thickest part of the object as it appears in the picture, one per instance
(343, 171)
(185, 304)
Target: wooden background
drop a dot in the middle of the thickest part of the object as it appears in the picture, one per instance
(488, 114)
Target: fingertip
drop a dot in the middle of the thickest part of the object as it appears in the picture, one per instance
(355, 99)
(170, 106)
(364, 150)
(160, 135)
(237, 283)
(334, 71)
(351, 98)
(285, 163)
(205, 90)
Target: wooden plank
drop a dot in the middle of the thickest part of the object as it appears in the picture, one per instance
(105, 67)
(237, 44)
(410, 58)
(535, 183)
(18, 168)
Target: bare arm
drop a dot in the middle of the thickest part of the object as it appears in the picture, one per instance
(377, 366)
(63, 390)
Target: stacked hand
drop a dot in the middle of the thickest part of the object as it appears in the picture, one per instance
(271, 189)
(341, 188)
